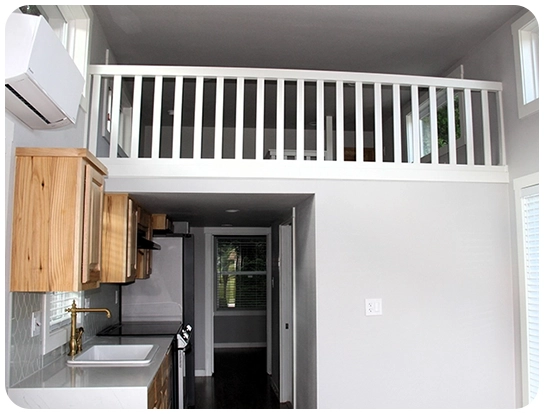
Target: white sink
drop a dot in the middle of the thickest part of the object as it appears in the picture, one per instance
(115, 356)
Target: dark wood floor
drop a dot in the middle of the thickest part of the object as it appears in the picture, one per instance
(239, 381)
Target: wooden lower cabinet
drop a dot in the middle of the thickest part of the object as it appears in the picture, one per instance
(159, 394)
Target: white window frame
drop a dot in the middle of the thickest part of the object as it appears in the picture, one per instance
(519, 185)
(56, 336)
(526, 63)
(265, 273)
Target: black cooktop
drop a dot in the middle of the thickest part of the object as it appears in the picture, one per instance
(143, 328)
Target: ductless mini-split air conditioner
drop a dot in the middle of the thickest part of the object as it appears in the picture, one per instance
(43, 84)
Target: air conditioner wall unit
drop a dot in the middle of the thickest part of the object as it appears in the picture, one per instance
(43, 84)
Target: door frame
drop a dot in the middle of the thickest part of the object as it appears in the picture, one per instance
(209, 286)
(287, 319)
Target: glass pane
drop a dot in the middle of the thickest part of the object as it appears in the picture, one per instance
(241, 254)
(241, 273)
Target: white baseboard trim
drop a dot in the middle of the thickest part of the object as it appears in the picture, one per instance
(200, 373)
(240, 345)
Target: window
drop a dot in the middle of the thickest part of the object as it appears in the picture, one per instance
(56, 321)
(240, 273)
(425, 144)
(525, 34)
(527, 209)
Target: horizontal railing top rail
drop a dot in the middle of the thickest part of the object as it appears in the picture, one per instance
(193, 117)
(291, 74)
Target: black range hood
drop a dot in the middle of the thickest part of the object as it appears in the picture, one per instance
(146, 244)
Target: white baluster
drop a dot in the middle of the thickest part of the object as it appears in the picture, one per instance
(239, 134)
(452, 133)
(259, 122)
(95, 111)
(157, 110)
(500, 109)
(359, 123)
(339, 121)
(280, 113)
(178, 111)
(397, 133)
(320, 120)
(199, 101)
(486, 128)
(415, 125)
(469, 130)
(115, 116)
(434, 125)
(219, 100)
(300, 121)
(378, 128)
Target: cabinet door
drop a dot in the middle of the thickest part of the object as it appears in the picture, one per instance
(92, 226)
(132, 236)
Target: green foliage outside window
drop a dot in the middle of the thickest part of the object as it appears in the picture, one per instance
(442, 125)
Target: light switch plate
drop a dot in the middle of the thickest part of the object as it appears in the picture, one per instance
(373, 307)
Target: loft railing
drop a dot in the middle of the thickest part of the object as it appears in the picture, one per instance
(293, 123)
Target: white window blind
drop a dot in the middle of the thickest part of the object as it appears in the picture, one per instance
(241, 273)
(58, 303)
(530, 218)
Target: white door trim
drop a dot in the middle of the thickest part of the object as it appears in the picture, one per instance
(209, 297)
(286, 311)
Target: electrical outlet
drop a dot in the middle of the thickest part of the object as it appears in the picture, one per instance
(373, 307)
(36, 328)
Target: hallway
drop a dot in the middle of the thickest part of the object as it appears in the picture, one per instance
(240, 381)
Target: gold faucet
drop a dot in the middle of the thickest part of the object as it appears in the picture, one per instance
(76, 336)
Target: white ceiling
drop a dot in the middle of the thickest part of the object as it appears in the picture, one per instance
(403, 39)
(417, 40)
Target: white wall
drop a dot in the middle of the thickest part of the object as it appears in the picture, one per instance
(494, 60)
(438, 254)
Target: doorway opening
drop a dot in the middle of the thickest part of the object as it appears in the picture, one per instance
(242, 285)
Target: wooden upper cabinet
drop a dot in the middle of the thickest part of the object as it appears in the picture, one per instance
(57, 207)
(119, 238)
(145, 256)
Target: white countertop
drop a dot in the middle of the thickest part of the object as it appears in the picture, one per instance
(61, 386)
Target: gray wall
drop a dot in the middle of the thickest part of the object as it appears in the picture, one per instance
(305, 306)
(494, 60)
(240, 331)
